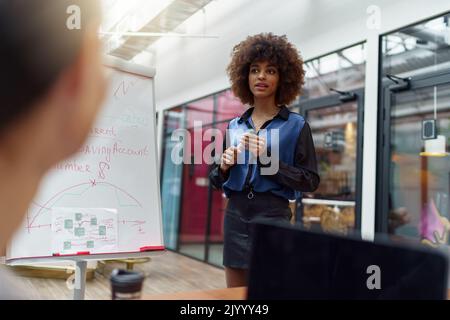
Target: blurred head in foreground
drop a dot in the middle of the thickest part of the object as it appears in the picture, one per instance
(51, 88)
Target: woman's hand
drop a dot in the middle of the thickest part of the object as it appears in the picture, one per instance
(254, 143)
(229, 158)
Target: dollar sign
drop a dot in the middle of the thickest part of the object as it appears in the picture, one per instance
(102, 166)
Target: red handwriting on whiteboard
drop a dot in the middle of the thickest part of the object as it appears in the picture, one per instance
(107, 132)
(102, 167)
(116, 149)
(73, 166)
(123, 88)
(100, 132)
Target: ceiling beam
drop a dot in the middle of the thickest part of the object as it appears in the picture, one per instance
(166, 21)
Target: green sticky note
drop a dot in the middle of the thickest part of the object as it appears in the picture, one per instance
(90, 244)
(78, 216)
(102, 230)
(68, 224)
(79, 232)
(67, 245)
(93, 221)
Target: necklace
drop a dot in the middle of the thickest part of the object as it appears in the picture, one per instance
(258, 123)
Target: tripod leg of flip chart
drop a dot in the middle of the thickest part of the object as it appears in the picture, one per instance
(80, 280)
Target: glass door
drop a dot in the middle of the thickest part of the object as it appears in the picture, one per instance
(194, 204)
(171, 179)
(336, 126)
(413, 194)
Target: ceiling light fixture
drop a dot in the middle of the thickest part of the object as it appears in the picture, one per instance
(157, 34)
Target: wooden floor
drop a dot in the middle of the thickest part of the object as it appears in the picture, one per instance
(166, 273)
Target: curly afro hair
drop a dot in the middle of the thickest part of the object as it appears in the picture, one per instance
(274, 49)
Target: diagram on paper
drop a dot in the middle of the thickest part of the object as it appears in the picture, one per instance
(84, 230)
(89, 193)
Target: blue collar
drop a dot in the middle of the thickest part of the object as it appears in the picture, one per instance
(282, 114)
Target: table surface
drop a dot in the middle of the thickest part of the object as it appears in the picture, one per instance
(238, 293)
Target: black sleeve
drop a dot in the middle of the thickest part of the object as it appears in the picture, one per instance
(216, 176)
(303, 176)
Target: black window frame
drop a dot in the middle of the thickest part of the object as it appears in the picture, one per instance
(388, 90)
(335, 100)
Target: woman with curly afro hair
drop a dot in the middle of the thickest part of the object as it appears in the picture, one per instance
(266, 72)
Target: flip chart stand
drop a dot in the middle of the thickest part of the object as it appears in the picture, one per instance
(80, 279)
(81, 264)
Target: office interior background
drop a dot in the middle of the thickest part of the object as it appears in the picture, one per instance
(375, 71)
(376, 95)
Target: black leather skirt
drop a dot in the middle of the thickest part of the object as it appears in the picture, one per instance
(240, 214)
